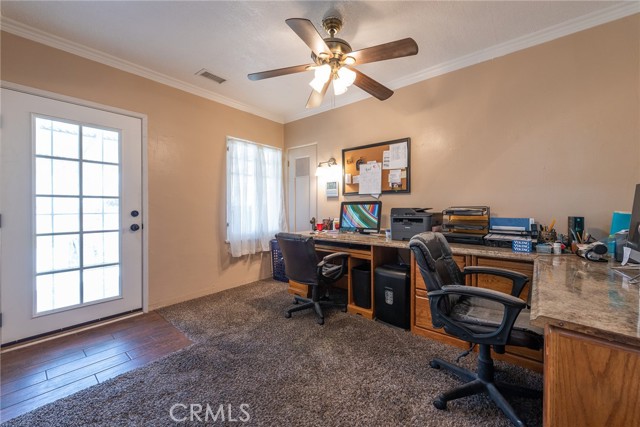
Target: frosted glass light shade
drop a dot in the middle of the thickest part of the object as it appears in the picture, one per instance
(321, 75)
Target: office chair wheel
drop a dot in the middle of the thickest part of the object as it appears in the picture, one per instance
(440, 404)
(287, 314)
(434, 365)
(320, 320)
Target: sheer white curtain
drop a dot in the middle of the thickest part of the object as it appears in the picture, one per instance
(255, 202)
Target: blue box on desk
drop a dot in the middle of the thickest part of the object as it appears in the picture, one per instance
(522, 246)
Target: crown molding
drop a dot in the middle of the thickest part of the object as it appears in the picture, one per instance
(551, 33)
(584, 22)
(14, 27)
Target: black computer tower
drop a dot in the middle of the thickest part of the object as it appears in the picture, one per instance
(391, 292)
(361, 285)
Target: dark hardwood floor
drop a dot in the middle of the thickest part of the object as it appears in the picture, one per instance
(44, 372)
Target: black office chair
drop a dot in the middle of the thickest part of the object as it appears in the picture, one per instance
(480, 316)
(301, 265)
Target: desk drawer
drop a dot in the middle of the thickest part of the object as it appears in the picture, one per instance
(423, 312)
(499, 283)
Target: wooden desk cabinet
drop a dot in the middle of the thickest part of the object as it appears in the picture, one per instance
(421, 313)
(589, 381)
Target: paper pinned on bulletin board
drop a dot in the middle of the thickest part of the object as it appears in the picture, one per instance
(386, 158)
(398, 155)
(370, 178)
(395, 177)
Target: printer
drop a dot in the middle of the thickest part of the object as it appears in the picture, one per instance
(407, 222)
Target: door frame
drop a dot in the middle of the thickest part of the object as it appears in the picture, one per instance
(145, 183)
(311, 172)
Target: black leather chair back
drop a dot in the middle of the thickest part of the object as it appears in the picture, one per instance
(300, 258)
(436, 263)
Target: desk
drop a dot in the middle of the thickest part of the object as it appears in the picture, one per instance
(592, 342)
(590, 315)
(378, 251)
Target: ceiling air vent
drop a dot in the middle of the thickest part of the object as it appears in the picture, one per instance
(206, 74)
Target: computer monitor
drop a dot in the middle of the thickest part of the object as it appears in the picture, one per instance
(361, 217)
(634, 228)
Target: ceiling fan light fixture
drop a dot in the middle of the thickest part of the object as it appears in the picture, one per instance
(321, 75)
(347, 75)
(339, 87)
(349, 60)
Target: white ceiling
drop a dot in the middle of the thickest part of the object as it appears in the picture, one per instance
(169, 41)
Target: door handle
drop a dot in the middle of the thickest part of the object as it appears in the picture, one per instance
(134, 227)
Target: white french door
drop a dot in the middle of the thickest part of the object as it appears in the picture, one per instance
(71, 236)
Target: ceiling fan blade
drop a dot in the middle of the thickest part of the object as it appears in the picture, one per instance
(308, 33)
(371, 86)
(315, 99)
(391, 50)
(279, 72)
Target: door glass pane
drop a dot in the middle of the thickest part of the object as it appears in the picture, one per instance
(66, 214)
(59, 177)
(101, 214)
(101, 282)
(66, 177)
(57, 252)
(59, 214)
(57, 290)
(100, 145)
(101, 248)
(43, 176)
(43, 136)
(44, 220)
(100, 179)
(66, 139)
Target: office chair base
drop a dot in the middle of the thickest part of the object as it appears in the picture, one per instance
(303, 304)
(482, 382)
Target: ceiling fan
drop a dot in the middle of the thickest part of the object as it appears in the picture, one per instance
(333, 60)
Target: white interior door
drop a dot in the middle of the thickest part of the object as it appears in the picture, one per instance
(302, 187)
(71, 183)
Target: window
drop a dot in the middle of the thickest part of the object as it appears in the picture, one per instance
(255, 204)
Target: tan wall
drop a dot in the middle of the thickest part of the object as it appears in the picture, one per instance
(186, 165)
(547, 132)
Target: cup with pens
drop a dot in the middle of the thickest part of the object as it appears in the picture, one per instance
(548, 234)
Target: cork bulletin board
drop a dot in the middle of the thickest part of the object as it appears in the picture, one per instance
(393, 159)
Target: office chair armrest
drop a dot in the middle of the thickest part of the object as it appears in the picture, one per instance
(518, 280)
(343, 267)
(329, 257)
(499, 336)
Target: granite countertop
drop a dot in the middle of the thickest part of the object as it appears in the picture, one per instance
(567, 291)
(587, 297)
(380, 240)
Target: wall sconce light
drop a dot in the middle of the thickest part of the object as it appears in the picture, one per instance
(329, 163)
(325, 167)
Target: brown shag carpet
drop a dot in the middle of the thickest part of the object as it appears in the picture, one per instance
(250, 365)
